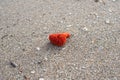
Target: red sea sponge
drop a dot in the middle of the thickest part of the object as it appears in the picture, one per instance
(59, 39)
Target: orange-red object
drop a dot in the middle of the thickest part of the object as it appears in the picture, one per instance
(58, 39)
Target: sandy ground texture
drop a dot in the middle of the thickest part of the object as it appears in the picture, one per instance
(91, 53)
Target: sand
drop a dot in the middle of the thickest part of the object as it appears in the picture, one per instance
(91, 53)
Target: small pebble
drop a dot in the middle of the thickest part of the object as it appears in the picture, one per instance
(93, 41)
(102, 1)
(62, 21)
(107, 21)
(70, 13)
(83, 67)
(85, 29)
(45, 58)
(13, 64)
(113, 0)
(63, 48)
(32, 72)
(38, 48)
(110, 10)
(41, 78)
(94, 13)
(69, 25)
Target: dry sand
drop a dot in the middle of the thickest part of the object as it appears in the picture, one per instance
(92, 52)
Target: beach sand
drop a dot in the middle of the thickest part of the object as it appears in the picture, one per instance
(91, 53)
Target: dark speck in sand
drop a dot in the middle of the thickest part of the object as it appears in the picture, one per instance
(23, 49)
(26, 78)
(1, 29)
(39, 62)
(96, 0)
(4, 36)
(13, 64)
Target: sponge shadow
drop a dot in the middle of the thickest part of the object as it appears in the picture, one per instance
(51, 47)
